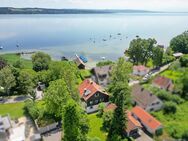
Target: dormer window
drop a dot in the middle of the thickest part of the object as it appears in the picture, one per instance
(86, 92)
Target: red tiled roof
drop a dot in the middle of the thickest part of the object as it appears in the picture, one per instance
(91, 86)
(110, 107)
(146, 118)
(132, 122)
(140, 68)
(162, 81)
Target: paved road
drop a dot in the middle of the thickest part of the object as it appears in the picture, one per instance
(161, 69)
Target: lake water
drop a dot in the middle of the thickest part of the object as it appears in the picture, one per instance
(86, 34)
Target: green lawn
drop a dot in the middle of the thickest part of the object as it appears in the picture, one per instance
(95, 127)
(12, 58)
(176, 123)
(174, 75)
(15, 110)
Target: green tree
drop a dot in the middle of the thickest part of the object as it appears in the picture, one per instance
(140, 50)
(7, 79)
(184, 60)
(119, 119)
(70, 73)
(26, 81)
(107, 120)
(185, 85)
(72, 123)
(120, 73)
(56, 97)
(170, 107)
(157, 56)
(19, 64)
(31, 109)
(101, 109)
(40, 61)
(3, 62)
(180, 43)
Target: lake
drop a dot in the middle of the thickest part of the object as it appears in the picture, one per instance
(93, 35)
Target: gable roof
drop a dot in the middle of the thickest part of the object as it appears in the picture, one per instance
(91, 87)
(78, 61)
(142, 96)
(132, 122)
(140, 68)
(102, 70)
(146, 118)
(162, 81)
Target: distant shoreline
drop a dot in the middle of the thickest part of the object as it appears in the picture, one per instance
(12, 10)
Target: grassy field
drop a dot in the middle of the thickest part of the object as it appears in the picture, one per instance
(15, 110)
(95, 127)
(12, 58)
(174, 124)
(174, 75)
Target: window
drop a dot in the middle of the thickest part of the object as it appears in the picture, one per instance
(96, 101)
(158, 102)
(91, 102)
(97, 94)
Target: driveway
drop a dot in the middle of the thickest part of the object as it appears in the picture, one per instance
(144, 137)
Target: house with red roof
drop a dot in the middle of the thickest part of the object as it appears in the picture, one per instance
(91, 95)
(140, 70)
(151, 124)
(133, 126)
(163, 83)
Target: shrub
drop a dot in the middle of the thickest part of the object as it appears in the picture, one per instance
(170, 107)
(107, 119)
(104, 63)
(31, 109)
(101, 109)
(184, 60)
(185, 135)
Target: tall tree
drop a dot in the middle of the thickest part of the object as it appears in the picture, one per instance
(70, 73)
(56, 97)
(180, 43)
(157, 56)
(119, 119)
(120, 73)
(140, 50)
(7, 79)
(40, 61)
(120, 96)
(73, 123)
(26, 81)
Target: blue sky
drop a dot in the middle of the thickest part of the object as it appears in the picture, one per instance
(160, 5)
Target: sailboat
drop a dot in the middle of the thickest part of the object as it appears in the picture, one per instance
(1, 47)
